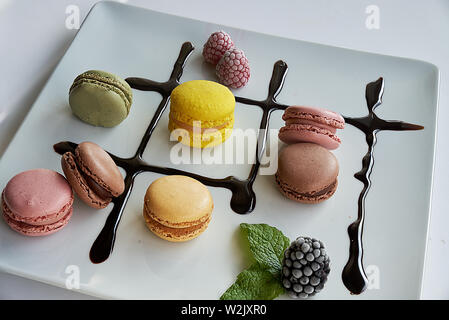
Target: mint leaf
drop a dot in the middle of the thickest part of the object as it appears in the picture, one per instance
(254, 283)
(267, 245)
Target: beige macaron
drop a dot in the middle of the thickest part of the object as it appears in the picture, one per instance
(177, 208)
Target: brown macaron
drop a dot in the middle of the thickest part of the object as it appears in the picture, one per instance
(177, 208)
(93, 174)
(307, 173)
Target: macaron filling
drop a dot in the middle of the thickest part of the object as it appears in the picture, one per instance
(179, 124)
(175, 225)
(36, 230)
(99, 190)
(39, 220)
(292, 192)
(175, 233)
(315, 115)
(312, 129)
(326, 127)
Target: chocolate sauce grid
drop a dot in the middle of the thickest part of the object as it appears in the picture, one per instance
(243, 198)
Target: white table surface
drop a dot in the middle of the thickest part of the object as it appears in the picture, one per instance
(34, 36)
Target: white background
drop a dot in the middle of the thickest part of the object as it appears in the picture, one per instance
(34, 36)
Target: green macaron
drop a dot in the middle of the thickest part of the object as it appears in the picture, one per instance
(100, 98)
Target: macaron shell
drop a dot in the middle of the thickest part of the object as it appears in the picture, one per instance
(98, 104)
(110, 79)
(178, 201)
(99, 166)
(307, 167)
(37, 230)
(174, 234)
(315, 114)
(294, 133)
(79, 183)
(202, 100)
(36, 195)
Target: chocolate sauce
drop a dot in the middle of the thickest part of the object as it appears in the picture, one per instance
(354, 276)
(243, 198)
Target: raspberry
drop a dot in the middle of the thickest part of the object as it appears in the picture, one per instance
(233, 68)
(217, 44)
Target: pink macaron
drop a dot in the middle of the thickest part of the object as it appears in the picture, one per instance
(311, 124)
(37, 202)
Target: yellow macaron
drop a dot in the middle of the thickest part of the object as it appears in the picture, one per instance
(177, 208)
(201, 113)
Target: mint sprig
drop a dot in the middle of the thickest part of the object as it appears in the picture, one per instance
(267, 245)
(261, 281)
(254, 283)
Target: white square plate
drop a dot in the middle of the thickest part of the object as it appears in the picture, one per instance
(134, 42)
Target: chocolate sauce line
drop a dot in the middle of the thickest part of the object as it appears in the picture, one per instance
(268, 106)
(353, 275)
(134, 166)
(243, 198)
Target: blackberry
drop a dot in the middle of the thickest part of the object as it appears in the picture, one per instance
(305, 267)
